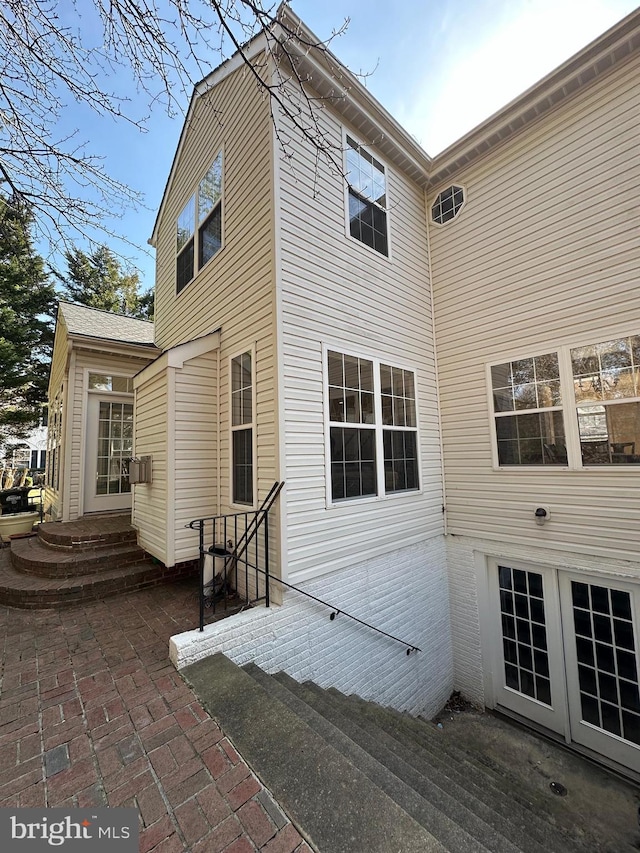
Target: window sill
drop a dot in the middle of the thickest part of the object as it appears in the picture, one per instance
(374, 499)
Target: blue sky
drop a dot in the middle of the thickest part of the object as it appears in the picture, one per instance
(440, 68)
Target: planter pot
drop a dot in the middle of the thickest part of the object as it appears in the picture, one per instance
(17, 522)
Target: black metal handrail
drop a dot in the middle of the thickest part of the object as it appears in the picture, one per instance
(240, 542)
(336, 611)
(239, 531)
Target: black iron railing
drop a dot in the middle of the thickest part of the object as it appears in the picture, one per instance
(234, 557)
(234, 565)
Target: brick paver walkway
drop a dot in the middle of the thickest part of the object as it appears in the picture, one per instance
(92, 712)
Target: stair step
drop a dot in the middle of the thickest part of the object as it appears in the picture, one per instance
(485, 780)
(469, 783)
(468, 796)
(425, 735)
(445, 818)
(33, 556)
(31, 592)
(305, 773)
(89, 533)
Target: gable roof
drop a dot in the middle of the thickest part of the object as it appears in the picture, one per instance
(332, 80)
(104, 325)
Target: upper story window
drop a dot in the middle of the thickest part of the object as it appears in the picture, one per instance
(528, 411)
(589, 417)
(606, 383)
(373, 436)
(447, 205)
(367, 190)
(206, 231)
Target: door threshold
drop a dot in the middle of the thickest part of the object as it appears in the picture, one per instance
(612, 767)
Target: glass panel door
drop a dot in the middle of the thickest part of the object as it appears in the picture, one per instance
(601, 647)
(115, 446)
(528, 673)
(109, 446)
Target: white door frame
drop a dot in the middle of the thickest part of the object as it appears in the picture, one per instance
(566, 698)
(550, 714)
(91, 501)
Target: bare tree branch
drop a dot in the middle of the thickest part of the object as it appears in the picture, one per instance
(55, 53)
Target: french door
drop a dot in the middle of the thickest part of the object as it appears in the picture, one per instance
(566, 655)
(108, 449)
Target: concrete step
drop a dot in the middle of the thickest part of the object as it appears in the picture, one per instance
(446, 819)
(425, 735)
(461, 787)
(34, 557)
(307, 775)
(31, 592)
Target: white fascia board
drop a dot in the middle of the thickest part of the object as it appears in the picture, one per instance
(111, 347)
(348, 87)
(613, 47)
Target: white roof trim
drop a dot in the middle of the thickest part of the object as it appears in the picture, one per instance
(176, 357)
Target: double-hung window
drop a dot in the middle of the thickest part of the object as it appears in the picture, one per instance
(242, 428)
(373, 444)
(576, 407)
(367, 193)
(206, 231)
(528, 411)
(606, 384)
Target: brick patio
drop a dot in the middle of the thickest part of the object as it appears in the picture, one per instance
(92, 713)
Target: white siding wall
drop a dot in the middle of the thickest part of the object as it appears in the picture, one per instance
(149, 513)
(545, 253)
(337, 291)
(405, 592)
(196, 441)
(234, 292)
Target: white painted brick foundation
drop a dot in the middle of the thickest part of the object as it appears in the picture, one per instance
(404, 593)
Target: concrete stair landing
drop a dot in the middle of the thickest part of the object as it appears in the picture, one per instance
(72, 562)
(354, 776)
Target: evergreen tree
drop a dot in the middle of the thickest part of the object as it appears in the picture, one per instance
(27, 305)
(99, 281)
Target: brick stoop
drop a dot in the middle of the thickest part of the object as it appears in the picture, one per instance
(74, 562)
(89, 532)
(34, 556)
(30, 592)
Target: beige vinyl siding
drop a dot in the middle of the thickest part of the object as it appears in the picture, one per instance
(234, 292)
(53, 498)
(338, 292)
(544, 254)
(149, 513)
(232, 118)
(196, 441)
